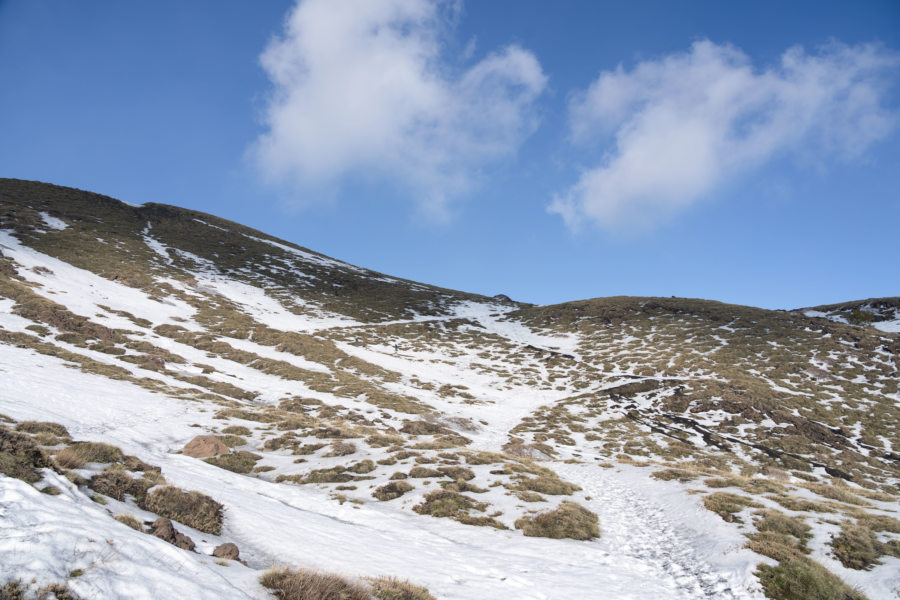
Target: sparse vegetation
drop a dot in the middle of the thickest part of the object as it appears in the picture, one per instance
(115, 483)
(798, 578)
(233, 441)
(131, 521)
(191, 508)
(681, 475)
(14, 589)
(95, 452)
(241, 461)
(391, 490)
(728, 505)
(43, 427)
(341, 448)
(545, 484)
(236, 430)
(68, 458)
(568, 520)
(456, 506)
(391, 588)
(20, 456)
(857, 546)
(418, 472)
(304, 584)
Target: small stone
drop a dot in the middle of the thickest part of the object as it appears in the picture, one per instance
(205, 446)
(227, 550)
(184, 542)
(164, 530)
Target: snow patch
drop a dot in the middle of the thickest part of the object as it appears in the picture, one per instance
(46, 538)
(53, 222)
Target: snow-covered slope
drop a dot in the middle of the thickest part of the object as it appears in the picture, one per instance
(384, 427)
(881, 313)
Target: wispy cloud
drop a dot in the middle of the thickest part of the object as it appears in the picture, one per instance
(365, 88)
(680, 126)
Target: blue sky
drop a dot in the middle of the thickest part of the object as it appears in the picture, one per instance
(743, 152)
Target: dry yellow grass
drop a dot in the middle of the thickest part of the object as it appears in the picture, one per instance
(305, 584)
(568, 520)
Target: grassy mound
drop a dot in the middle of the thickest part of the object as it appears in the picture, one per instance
(795, 577)
(392, 490)
(115, 483)
(568, 520)
(304, 584)
(453, 505)
(545, 484)
(238, 462)
(43, 427)
(391, 588)
(20, 456)
(191, 508)
(799, 578)
(96, 452)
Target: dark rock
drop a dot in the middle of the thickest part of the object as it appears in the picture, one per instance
(164, 530)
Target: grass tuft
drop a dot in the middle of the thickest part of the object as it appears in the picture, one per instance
(190, 508)
(131, 521)
(392, 490)
(391, 588)
(857, 547)
(728, 505)
(96, 452)
(568, 520)
(241, 461)
(305, 584)
(115, 483)
(20, 456)
(799, 578)
(545, 484)
(43, 427)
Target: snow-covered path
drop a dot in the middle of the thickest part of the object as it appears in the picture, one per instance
(669, 533)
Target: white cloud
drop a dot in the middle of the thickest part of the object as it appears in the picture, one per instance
(362, 87)
(684, 124)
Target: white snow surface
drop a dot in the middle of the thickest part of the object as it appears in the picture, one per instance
(308, 256)
(658, 542)
(267, 310)
(48, 537)
(490, 316)
(83, 292)
(888, 326)
(892, 326)
(53, 222)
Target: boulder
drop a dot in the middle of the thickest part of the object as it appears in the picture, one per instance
(204, 446)
(227, 550)
(164, 530)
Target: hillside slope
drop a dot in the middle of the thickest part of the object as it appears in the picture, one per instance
(376, 426)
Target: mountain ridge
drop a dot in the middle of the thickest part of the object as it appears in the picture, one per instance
(172, 211)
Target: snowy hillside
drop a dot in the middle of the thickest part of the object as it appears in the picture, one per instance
(881, 313)
(369, 426)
